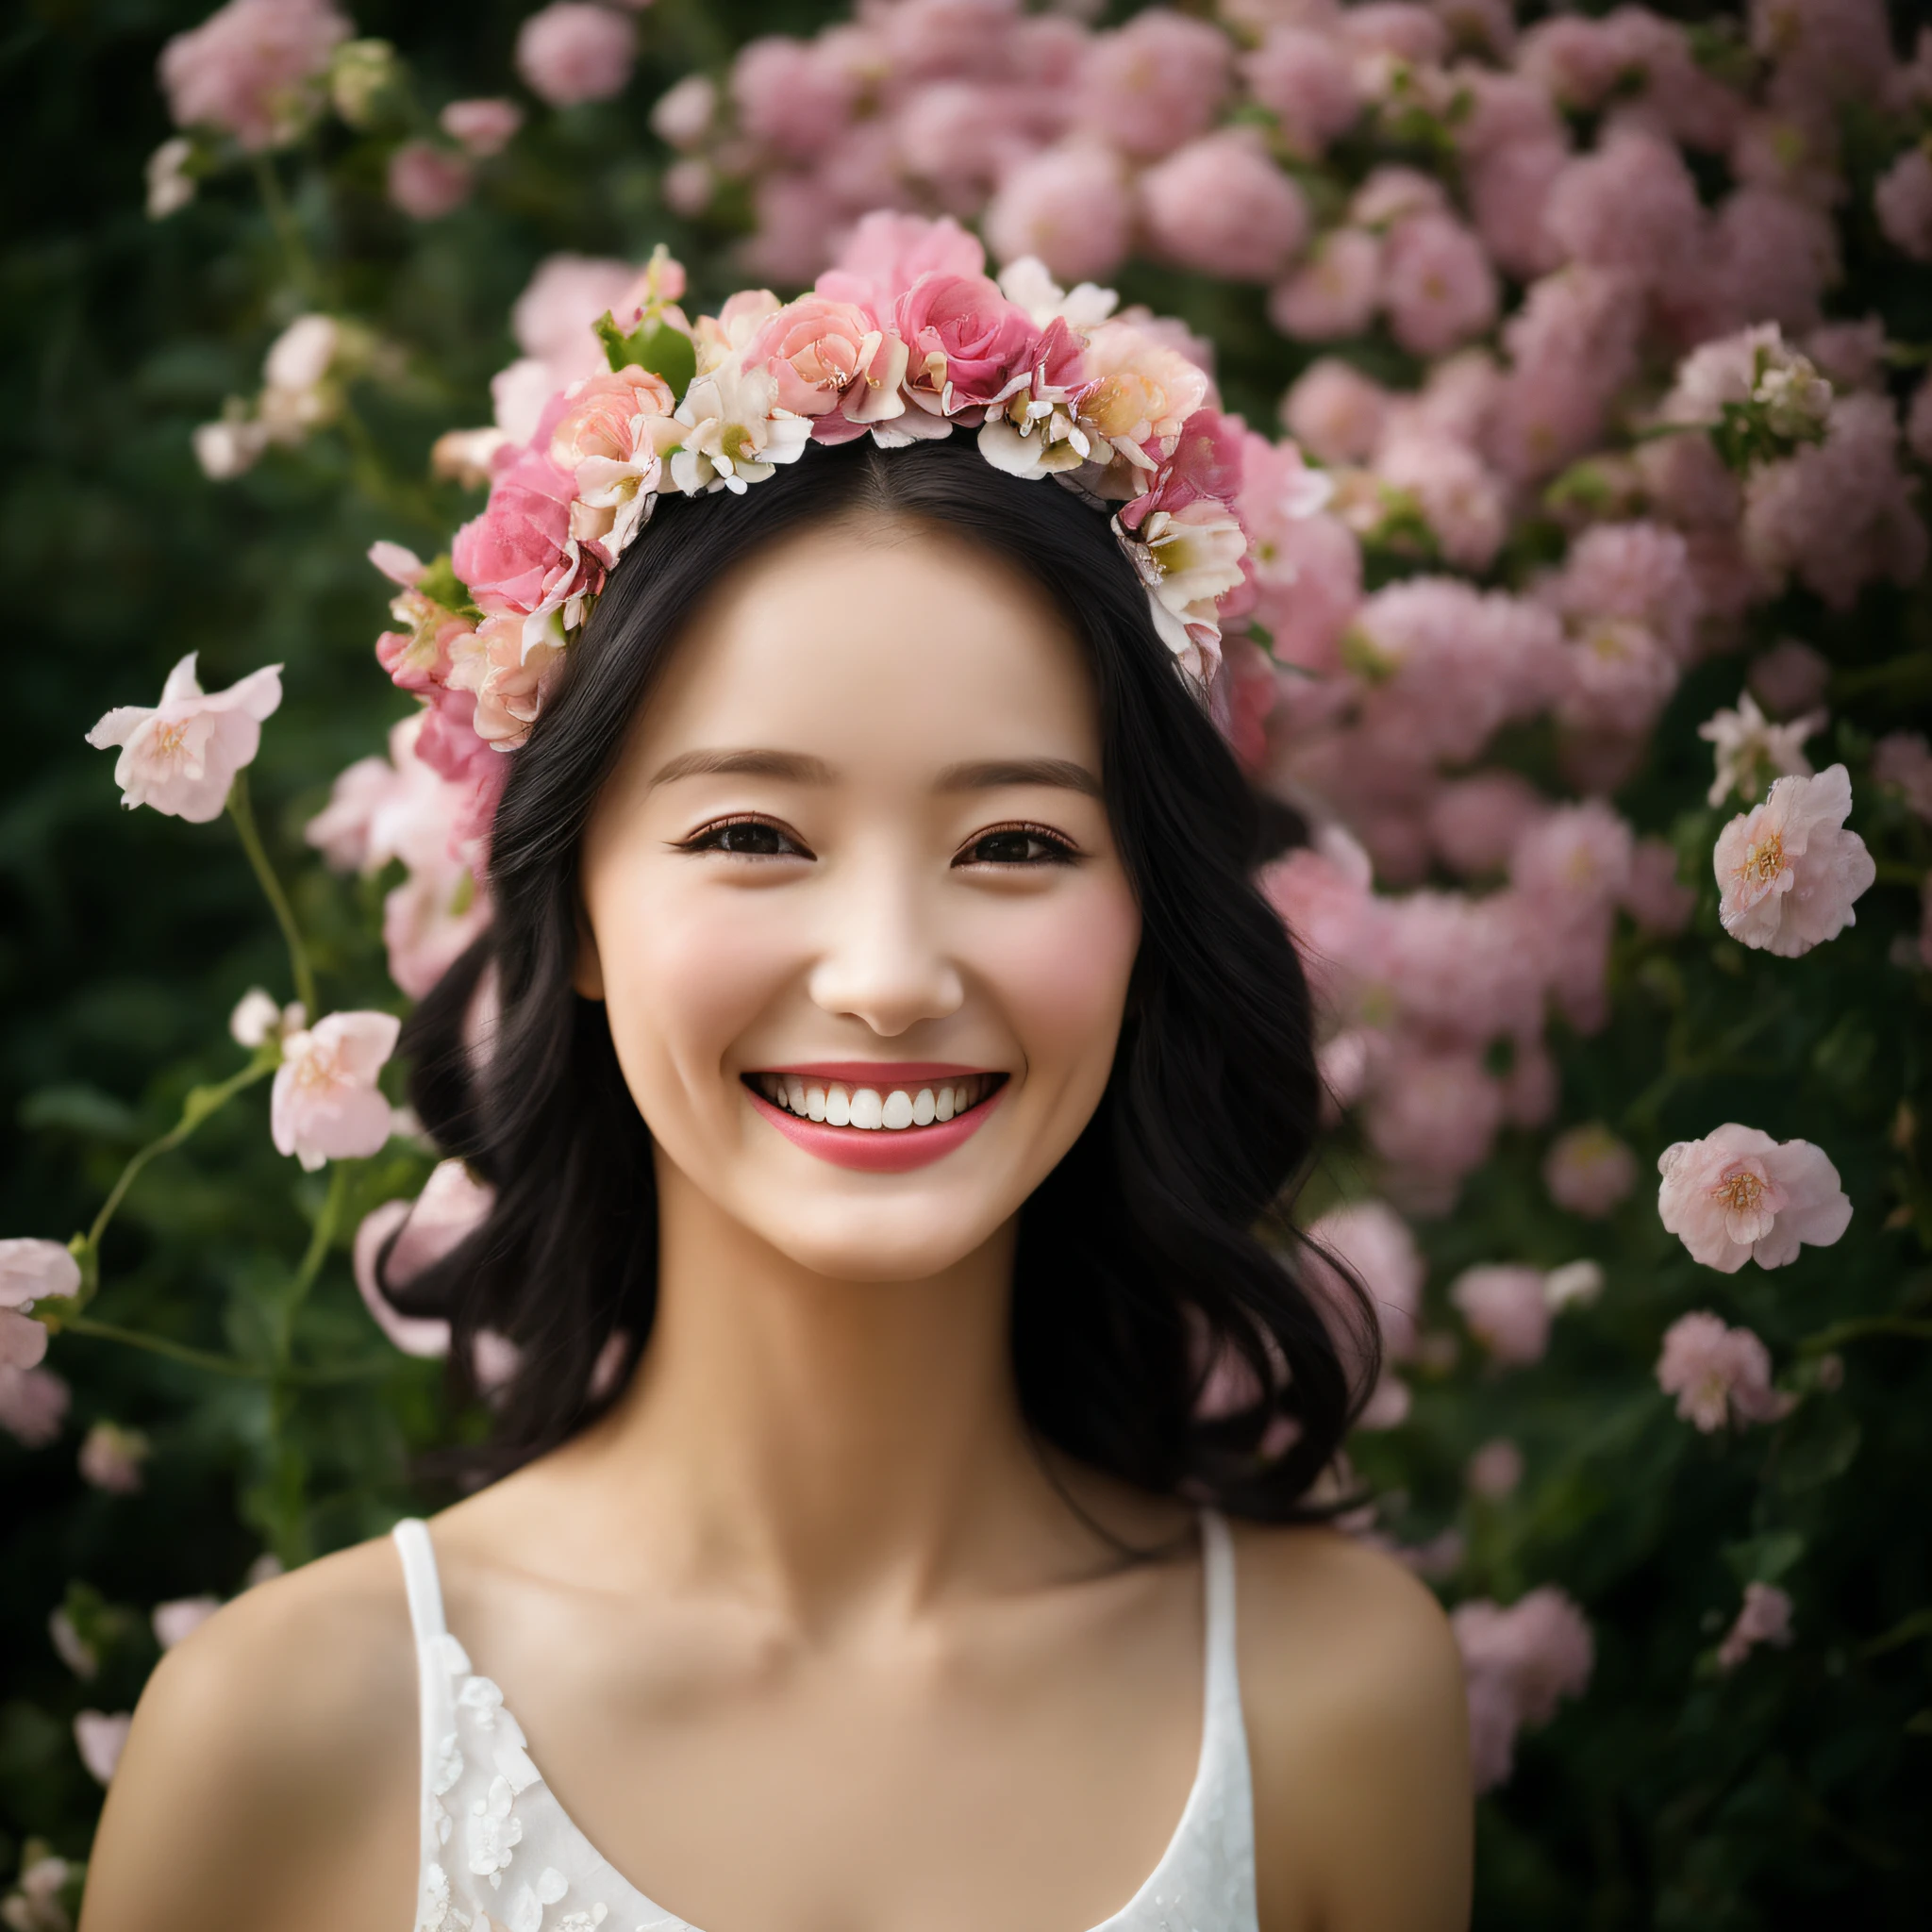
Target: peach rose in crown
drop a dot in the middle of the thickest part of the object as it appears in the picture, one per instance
(1789, 869)
(1737, 1195)
(1143, 391)
(832, 358)
(612, 437)
(507, 677)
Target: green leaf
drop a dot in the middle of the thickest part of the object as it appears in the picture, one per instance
(1817, 1445)
(440, 585)
(81, 1109)
(1764, 1558)
(655, 346)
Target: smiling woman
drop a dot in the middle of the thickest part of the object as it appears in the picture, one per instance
(881, 1062)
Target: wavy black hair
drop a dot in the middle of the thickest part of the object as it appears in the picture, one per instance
(1158, 1241)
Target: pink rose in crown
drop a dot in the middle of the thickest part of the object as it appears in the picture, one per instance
(1144, 392)
(507, 678)
(832, 359)
(968, 346)
(887, 253)
(517, 553)
(612, 436)
(1206, 462)
(605, 416)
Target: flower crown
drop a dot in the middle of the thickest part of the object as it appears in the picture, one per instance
(904, 338)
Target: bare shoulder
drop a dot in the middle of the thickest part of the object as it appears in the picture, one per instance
(1351, 1691)
(278, 1736)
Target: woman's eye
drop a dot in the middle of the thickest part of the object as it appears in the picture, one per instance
(746, 838)
(1017, 845)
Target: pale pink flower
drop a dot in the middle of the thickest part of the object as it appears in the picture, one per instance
(427, 182)
(1305, 81)
(325, 1104)
(30, 1271)
(1508, 188)
(1749, 748)
(253, 69)
(1474, 823)
(110, 1458)
(1902, 761)
(1631, 206)
(170, 186)
(1462, 501)
(100, 1739)
(1765, 1618)
(1144, 390)
(1506, 1310)
(1771, 256)
(1576, 59)
(1718, 1374)
(1336, 411)
(1375, 1243)
(33, 1404)
(1575, 859)
(1737, 1195)
(181, 757)
(1222, 206)
(1620, 679)
(259, 1017)
(1589, 1171)
(481, 127)
(1640, 571)
(181, 1618)
(1573, 344)
(519, 557)
(1153, 83)
(1437, 285)
(1519, 1664)
(1790, 678)
(1653, 896)
(1404, 33)
(552, 319)
(792, 98)
(886, 254)
(1789, 869)
(1069, 206)
(688, 186)
(452, 1206)
(34, 1905)
(1574, 1284)
(1391, 193)
(1436, 1114)
(1495, 1469)
(1335, 293)
(574, 52)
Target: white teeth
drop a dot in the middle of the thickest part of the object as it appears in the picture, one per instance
(866, 1107)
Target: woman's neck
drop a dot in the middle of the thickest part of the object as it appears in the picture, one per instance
(820, 1441)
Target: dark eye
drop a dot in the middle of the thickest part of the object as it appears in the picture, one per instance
(746, 838)
(1017, 845)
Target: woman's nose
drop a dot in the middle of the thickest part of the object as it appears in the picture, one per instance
(881, 958)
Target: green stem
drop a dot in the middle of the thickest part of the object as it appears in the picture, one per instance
(1905, 1327)
(243, 812)
(157, 1344)
(295, 256)
(200, 1104)
(310, 1264)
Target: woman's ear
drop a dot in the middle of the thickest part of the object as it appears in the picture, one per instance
(586, 974)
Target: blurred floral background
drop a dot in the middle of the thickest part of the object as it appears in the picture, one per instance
(1583, 356)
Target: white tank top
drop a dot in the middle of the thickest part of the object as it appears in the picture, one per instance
(501, 1855)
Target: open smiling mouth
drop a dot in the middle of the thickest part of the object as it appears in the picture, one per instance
(897, 1120)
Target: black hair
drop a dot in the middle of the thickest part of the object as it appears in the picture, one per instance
(1159, 1240)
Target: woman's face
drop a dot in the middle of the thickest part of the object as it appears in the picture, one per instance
(854, 905)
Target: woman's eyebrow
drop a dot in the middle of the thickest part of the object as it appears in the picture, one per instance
(985, 774)
(798, 767)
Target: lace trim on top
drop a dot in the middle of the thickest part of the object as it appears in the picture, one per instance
(500, 1853)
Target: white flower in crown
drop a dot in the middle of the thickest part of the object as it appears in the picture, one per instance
(735, 432)
(1188, 559)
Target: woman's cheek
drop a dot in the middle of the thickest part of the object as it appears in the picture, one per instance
(1061, 972)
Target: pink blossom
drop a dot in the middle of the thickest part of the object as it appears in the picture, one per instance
(791, 97)
(1410, 34)
(1901, 762)
(687, 112)
(1437, 285)
(1304, 80)
(1640, 571)
(1577, 59)
(181, 1618)
(796, 218)
(181, 757)
(1221, 205)
(1474, 823)
(1737, 1195)
(481, 127)
(1335, 293)
(1851, 355)
(1790, 678)
(967, 346)
(1718, 1373)
(1773, 257)
(1495, 1469)
(1621, 678)
(1506, 1311)
(552, 319)
(1572, 345)
(110, 1458)
(430, 919)
(1508, 190)
(1374, 1244)
(1839, 514)
(688, 186)
(1631, 206)
(886, 255)
(574, 52)
(427, 182)
(30, 1271)
(517, 555)
(33, 1404)
(1589, 1171)
(1519, 1664)
(1069, 207)
(1749, 748)
(1765, 1618)
(1831, 50)
(452, 1206)
(1336, 411)
(252, 69)
(1435, 1113)
(1653, 896)
(100, 1739)
(1789, 869)
(1461, 500)
(1155, 83)
(924, 38)
(1307, 581)
(325, 1104)
(1391, 193)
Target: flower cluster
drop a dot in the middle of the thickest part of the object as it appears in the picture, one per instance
(904, 338)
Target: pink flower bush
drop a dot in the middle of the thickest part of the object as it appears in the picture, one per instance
(253, 69)
(481, 127)
(1902, 200)
(1155, 83)
(1789, 869)
(1069, 207)
(1335, 293)
(1718, 1374)
(1590, 1170)
(325, 1104)
(1518, 1664)
(574, 52)
(30, 1272)
(1221, 205)
(1437, 285)
(1739, 1195)
(1765, 1618)
(181, 756)
(1506, 1311)
(427, 182)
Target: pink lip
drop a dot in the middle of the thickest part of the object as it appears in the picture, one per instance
(878, 1074)
(876, 1150)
